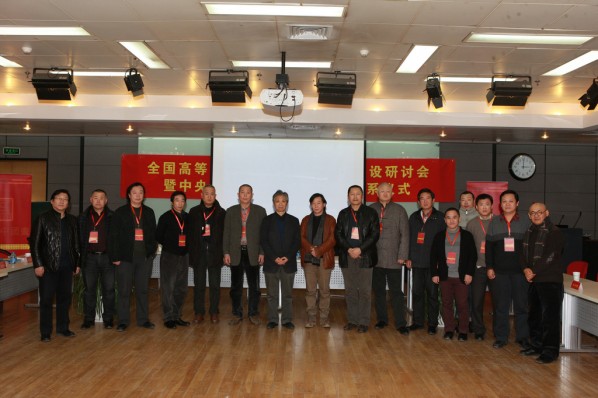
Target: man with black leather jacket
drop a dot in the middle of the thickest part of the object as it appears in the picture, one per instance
(357, 231)
(55, 253)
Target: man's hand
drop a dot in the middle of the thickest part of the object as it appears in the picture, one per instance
(226, 260)
(117, 263)
(467, 279)
(77, 270)
(260, 259)
(408, 264)
(354, 252)
(529, 274)
(436, 279)
(39, 272)
(490, 273)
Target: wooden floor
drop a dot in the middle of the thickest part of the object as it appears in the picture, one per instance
(248, 361)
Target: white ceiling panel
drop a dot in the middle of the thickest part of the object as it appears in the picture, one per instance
(182, 30)
(105, 10)
(377, 33)
(263, 50)
(22, 11)
(508, 15)
(577, 18)
(245, 31)
(436, 35)
(160, 10)
(478, 54)
(453, 13)
(382, 11)
(120, 31)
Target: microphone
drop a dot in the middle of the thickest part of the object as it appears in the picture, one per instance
(578, 218)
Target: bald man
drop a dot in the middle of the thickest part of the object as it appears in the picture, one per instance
(543, 245)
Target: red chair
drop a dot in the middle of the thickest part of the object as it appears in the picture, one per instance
(578, 266)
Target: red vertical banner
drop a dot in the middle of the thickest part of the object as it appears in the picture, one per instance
(408, 176)
(15, 212)
(492, 188)
(163, 174)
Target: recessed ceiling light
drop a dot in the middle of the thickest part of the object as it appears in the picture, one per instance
(8, 63)
(526, 39)
(292, 10)
(42, 31)
(442, 134)
(130, 129)
(545, 136)
(338, 131)
(27, 127)
(416, 58)
(277, 64)
(144, 54)
(576, 63)
(233, 130)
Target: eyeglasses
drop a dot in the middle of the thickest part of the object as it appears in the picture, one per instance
(536, 213)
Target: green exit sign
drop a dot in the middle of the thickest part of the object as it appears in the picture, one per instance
(11, 151)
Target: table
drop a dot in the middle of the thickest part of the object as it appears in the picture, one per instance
(580, 312)
(17, 279)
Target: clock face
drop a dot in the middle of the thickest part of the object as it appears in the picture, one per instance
(522, 166)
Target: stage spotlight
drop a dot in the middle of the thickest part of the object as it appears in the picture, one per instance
(433, 89)
(229, 86)
(590, 98)
(509, 91)
(336, 88)
(134, 82)
(53, 84)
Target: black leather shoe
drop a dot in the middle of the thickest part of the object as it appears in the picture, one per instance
(403, 330)
(524, 344)
(349, 326)
(362, 329)
(67, 333)
(529, 352)
(381, 325)
(288, 325)
(543, 359)
(180, 322)
(108, 324)
(45, 338)
(479, 337)
(121, 327)
(448, 336)
(87, 325)
(415, 326)
(499, 344)
(148, 325)
(462, 337)
(170, 324)
(431, 330)
(271, 325)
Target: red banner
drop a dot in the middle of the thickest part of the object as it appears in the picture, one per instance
(492, 188)
(163, 174)
(408, 176)
(15, 212)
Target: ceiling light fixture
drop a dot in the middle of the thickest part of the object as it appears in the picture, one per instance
(338, 131)
(134, 82)
(278, 64)
(287, 10)
(576, 63)
(416, 58)
(503, 38)
(442, 134)
(42, 31)
(129, 129)
(27, 127)
(7, 63)
(590, 98)
(434, 91)
(336, 88)
(545, 135)
(233, 130)
(53, 84)
(510, 93)
(141, 50)
(229, 86)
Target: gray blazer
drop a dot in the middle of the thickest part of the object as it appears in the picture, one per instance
(394, 238)
(232, 233)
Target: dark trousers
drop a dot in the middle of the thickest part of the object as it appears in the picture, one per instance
(454, 292)
(358, 292)
(397, 297)
(252, 272)
(478, 295)
(98, 266)
(174, 275)
(127, 273)
(506, 288)
(545, 303)
(59, 284)
(199, 291)
(424, 289)
(285, 281)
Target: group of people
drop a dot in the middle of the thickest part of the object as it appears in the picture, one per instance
(459, 253)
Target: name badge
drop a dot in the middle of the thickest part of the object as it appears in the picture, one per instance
(206, 230)
(451, 258)
(576, 285)
(355, 233)
(182, 240)
(420, 238)
(138, 234)
(93, 236)
(509, 244)
(483, 247)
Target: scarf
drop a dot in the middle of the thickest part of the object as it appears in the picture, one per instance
(537, 246)
(318, 238)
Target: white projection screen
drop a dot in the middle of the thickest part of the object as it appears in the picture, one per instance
(298, 167)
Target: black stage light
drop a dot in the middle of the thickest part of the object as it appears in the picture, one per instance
(336, 88)
(590, 98)
(434, 91)
(53, 84)
(509, 90)
(134, 82)
(229, 86)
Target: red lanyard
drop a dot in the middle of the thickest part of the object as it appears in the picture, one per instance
(95, 224)
(482, 225)
(448, 239)
(140, 213)
(382, 210)
(508, 226)
(425, 218)
(205, 218)
(181, 226)
(244, 215)
(354, 216)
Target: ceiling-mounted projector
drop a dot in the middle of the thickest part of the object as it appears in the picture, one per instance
(282, 101)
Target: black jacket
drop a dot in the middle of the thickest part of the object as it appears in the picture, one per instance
(419, 253)
(46, 240)
(468, 256)
(276, 246)
(168, 231)
(122, 233)
(369, 232)
(201, 249)
(84, 225)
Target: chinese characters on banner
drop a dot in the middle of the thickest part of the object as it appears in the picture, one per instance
(163, 174)
(408, 176)
(15, 212)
